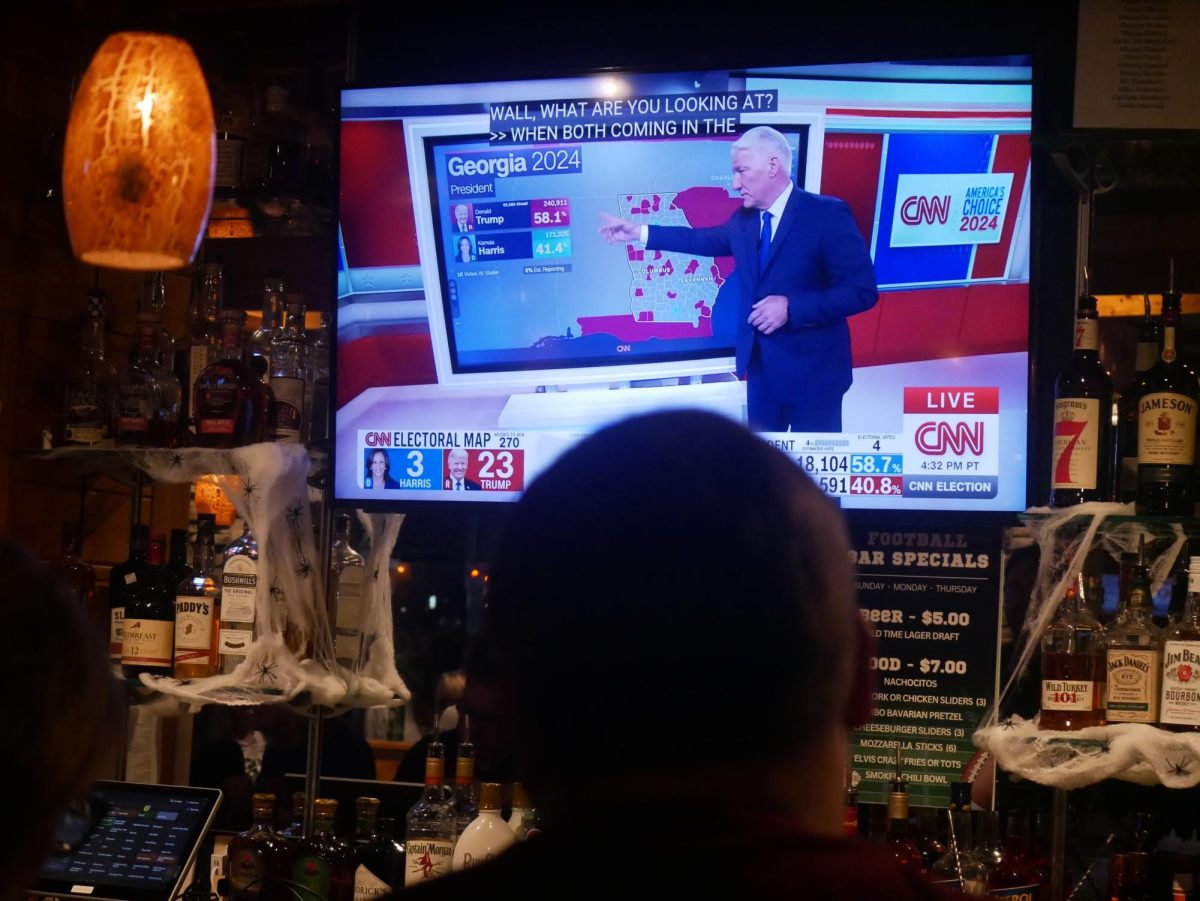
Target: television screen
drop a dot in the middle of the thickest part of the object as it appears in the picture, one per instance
(499, 298)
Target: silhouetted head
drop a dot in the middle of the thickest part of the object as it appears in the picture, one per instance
(675, 591)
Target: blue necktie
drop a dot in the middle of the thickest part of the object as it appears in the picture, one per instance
(764, 241)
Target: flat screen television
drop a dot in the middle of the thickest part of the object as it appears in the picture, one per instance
(484, 324)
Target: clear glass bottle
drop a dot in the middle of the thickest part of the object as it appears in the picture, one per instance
(1166, 473)
(347, 595)
(429, 826)
(466, 790)
(197, 612)
(318, 415)
(1180, 708)
(73, 571)
(1015, 876)
(154, 300)
(295, 830)
(239, 590)
(148, 636)
(1148, 337)
(521, 805)
(146, 411)
(323, 864)
(289, 370)
(960, 867)
(1133, 648)
(261, 338)
(1082, 418)
(1073, 661)
(487, 835)
(91, 382)
(258, 856)
(231, 402)
(202, 343)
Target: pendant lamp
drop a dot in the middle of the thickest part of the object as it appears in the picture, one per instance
(139, 156)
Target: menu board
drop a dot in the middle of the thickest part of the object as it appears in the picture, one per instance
(932, 602)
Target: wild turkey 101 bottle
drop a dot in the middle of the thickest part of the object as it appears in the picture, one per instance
(1082, 418)
(1166, 471)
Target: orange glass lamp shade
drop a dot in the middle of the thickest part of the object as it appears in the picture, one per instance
(139, 156)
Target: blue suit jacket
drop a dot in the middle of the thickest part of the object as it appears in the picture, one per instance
(819, 261)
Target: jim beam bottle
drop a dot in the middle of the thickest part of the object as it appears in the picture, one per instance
(1181, 662)
(1166, 473)
(1134, 654)
(1148, 336)
(429, 827)
(1082, 418)
(1073, 665)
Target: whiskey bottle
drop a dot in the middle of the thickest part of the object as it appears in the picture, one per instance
(203, 340)
(466, 796)
(257, 857)
(487, 835)
(1166, 473)
(1133, 649)
(148, 637)
(230, 401)
(289, 368)
(960, 867)
(347, 586)
(1180, 708)
(124, 580)
(323, 865)
(295, 829)
(1127, 420)
(1082, 418)
(146, 411)
(1073, 665)
(197, 612)
(239, 589)
(261, 338)
(429, 826)
(92, 381)
(904, 851)
(378, 868)
(178, 567)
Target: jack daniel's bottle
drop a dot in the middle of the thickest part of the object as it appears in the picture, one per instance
(1082, 418)
(1166, 473)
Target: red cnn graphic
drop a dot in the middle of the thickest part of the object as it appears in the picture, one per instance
(915, 210)
(939, 438)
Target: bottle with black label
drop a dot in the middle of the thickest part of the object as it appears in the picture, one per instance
(124, 580)
(1148, 336)
(1166, 473)
(1082, 418)
(148, 636)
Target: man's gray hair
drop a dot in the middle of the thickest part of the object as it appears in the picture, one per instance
(768, 140)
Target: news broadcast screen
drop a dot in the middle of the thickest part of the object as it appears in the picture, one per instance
(488, 319)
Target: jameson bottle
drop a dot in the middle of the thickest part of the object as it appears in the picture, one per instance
(1134, 654)
(197, 610)
(1082, 418)
(1148, 336)
(323, 865)
(1166, 473)
(1073, 665)
(1181, 662)
(239, 590)
(92, 382)
(429, 826)
(124, 580)
(257, 857)
(148, 637)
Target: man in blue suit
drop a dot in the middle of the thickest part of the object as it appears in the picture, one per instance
(803, 268)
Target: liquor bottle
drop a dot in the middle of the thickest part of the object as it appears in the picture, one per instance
(347, 587)
(92, 381)
(148, 637)
(429, 826)
(850, 813)
(904, 851)
(1073, 665)
(203, 340)
(154, 300)
(1129, 876)
(927, 840)
(466, 795)
(1127, 418)
(197, 612)
(1015, 876)
(178, 567)
(231, 403)
(1179, 587)
(124, 579)
(1082, 418)
(274, 149)
(1126, 573)
(257, 857)
(323, 865)
(318, 415)
(260, 340)
(295, 830)
(522, 805)
(239, 588)
(74, 572)
(1133, 648)
(1166, 474)
(960, 867)
(289, 368)
(378, 868)
(146, 412)
(1180, 708)
(487, 835)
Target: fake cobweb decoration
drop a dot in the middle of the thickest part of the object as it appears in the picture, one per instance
(291, 660)
(1131, 751)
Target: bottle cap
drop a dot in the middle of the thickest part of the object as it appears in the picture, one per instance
(489, 796)
(520, 796)
(263, 801)
(325, 807)
(367, 805)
